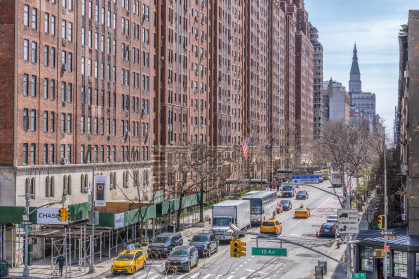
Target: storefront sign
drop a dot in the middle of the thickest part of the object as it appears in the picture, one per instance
(48, 216)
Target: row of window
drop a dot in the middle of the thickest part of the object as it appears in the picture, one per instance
(29, 153)
(49, 55)
(29, 121)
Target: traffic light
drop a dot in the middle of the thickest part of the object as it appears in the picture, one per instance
(61, 214)
(65, 214)
(378, 253)
(237, 248)
(380, 222)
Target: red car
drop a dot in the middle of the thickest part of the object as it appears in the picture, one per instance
(279, 208)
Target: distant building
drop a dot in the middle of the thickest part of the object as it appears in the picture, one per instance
(361, 101)
(318, 109)
(337, 102)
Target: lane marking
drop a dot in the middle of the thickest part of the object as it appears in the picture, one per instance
(250, 270)
(206, 276)
(144, 275)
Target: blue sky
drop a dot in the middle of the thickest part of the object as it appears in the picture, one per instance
(374, 26)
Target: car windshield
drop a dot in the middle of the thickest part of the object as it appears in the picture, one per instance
(301, 208)
(179, 253)
(302, 192)
(125, 257)
(333, 217)
(161, 239)
(200, 238)
(287, 188)
(255, 206)
(285, 202)
(326, 227)
(222, 222)
(268, 223)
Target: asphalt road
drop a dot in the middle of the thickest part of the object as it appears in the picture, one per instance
(299, 262)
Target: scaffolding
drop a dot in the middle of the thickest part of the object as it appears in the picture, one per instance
(73, 241)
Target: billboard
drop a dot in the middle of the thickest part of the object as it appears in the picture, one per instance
(48, 216)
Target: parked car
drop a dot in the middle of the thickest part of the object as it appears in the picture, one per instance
(205, 242)
(302, 212)
(327, 230)
(279, 208)
(302, 195)
(164, 243)
(182, 258)
(128, 262)
(286, 204)
(332, 218)
(271, 226)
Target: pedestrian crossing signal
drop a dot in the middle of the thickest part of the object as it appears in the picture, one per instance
(237, 248)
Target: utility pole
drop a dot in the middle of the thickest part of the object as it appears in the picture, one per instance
(26, 269)
(348, 206)
(385, 210)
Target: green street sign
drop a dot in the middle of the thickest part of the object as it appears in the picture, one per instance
(269, 251)
(359, 275)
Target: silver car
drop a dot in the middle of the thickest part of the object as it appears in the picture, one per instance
(182, 258)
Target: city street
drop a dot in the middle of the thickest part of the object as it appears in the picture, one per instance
(299, 262)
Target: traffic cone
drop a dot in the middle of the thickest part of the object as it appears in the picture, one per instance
(317, 234)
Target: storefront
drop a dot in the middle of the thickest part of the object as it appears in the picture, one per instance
(403, 258)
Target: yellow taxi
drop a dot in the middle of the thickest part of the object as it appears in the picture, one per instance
(128, 262)
(302, 212)
(271, 226)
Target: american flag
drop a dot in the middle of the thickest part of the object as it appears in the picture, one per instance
(245, 148)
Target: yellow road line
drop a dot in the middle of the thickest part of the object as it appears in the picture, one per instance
(245, 238)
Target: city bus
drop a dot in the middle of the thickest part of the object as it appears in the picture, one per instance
(262, 206)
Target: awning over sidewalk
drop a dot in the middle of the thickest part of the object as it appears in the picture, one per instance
(171, 206)
(119, 219)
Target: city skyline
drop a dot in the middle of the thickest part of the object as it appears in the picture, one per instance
(374, 29)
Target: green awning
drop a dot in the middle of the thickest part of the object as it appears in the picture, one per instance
(171, 206)
(130, 217)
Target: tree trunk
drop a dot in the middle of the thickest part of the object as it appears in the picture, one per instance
(179, 211)
(201, 204)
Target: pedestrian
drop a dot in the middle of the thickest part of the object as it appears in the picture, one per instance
(270, 187)
(274, 187)
(60, 261)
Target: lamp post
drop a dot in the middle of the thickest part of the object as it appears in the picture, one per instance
(348, 206)
(385, 209)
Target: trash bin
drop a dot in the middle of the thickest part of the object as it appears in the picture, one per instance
(323, 263)
(4, 268)
(30, 248)
(30, 259)
(318, 272)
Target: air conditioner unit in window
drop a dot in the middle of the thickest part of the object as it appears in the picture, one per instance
(64, 161)
(85, 189)
(64, 11)
(64, 42)
(63, 104)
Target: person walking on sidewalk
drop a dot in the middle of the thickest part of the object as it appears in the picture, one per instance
(60, 261)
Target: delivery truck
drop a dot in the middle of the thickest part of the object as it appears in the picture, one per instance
(228, 212)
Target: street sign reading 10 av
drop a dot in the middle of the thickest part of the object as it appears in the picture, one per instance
(269, 251)
(359, 275)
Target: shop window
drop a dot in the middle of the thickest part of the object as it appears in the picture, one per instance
(366, 258)
(400, 264)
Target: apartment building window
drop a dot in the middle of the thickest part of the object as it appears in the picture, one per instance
(90, 9)
(33, 86)
(96, 70)
(82, 124)
(96, 125)
(62, 123)
(52, 153)
(46, 155)
(83, 7)
(96, 40)
(33, 120)
(70, 31)
(62, 151)
(89, 67)
(46, 23)
(63, 91)
(25, 84)
(34, 51)
(89, 125)
(102, 18)
(52, 89)
(46, 56)
(82, 154)
(108, 126)
(25, 119)
(53, 25)
(82, 66)
(34, 18)
(25, 153)
(114, 127)
(96, 12)
(26, 50)
(69, 123)
(96, 153)
(83, 36)
(69, 92)
(70, 5)
(53, 57)
(69, 61)
(33, 153)
(26, 15)
(63, 29)
(52, 121)
(46, 121)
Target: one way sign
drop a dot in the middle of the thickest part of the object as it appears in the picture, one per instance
(348, 221)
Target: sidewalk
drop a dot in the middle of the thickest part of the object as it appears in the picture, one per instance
(42, 268)
(336, 270)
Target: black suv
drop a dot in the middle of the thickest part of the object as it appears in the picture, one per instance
(163, 244)
(205, 242)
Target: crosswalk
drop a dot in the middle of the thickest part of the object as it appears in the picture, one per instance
(197, 275)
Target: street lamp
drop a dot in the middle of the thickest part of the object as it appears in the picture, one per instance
(348, 206)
